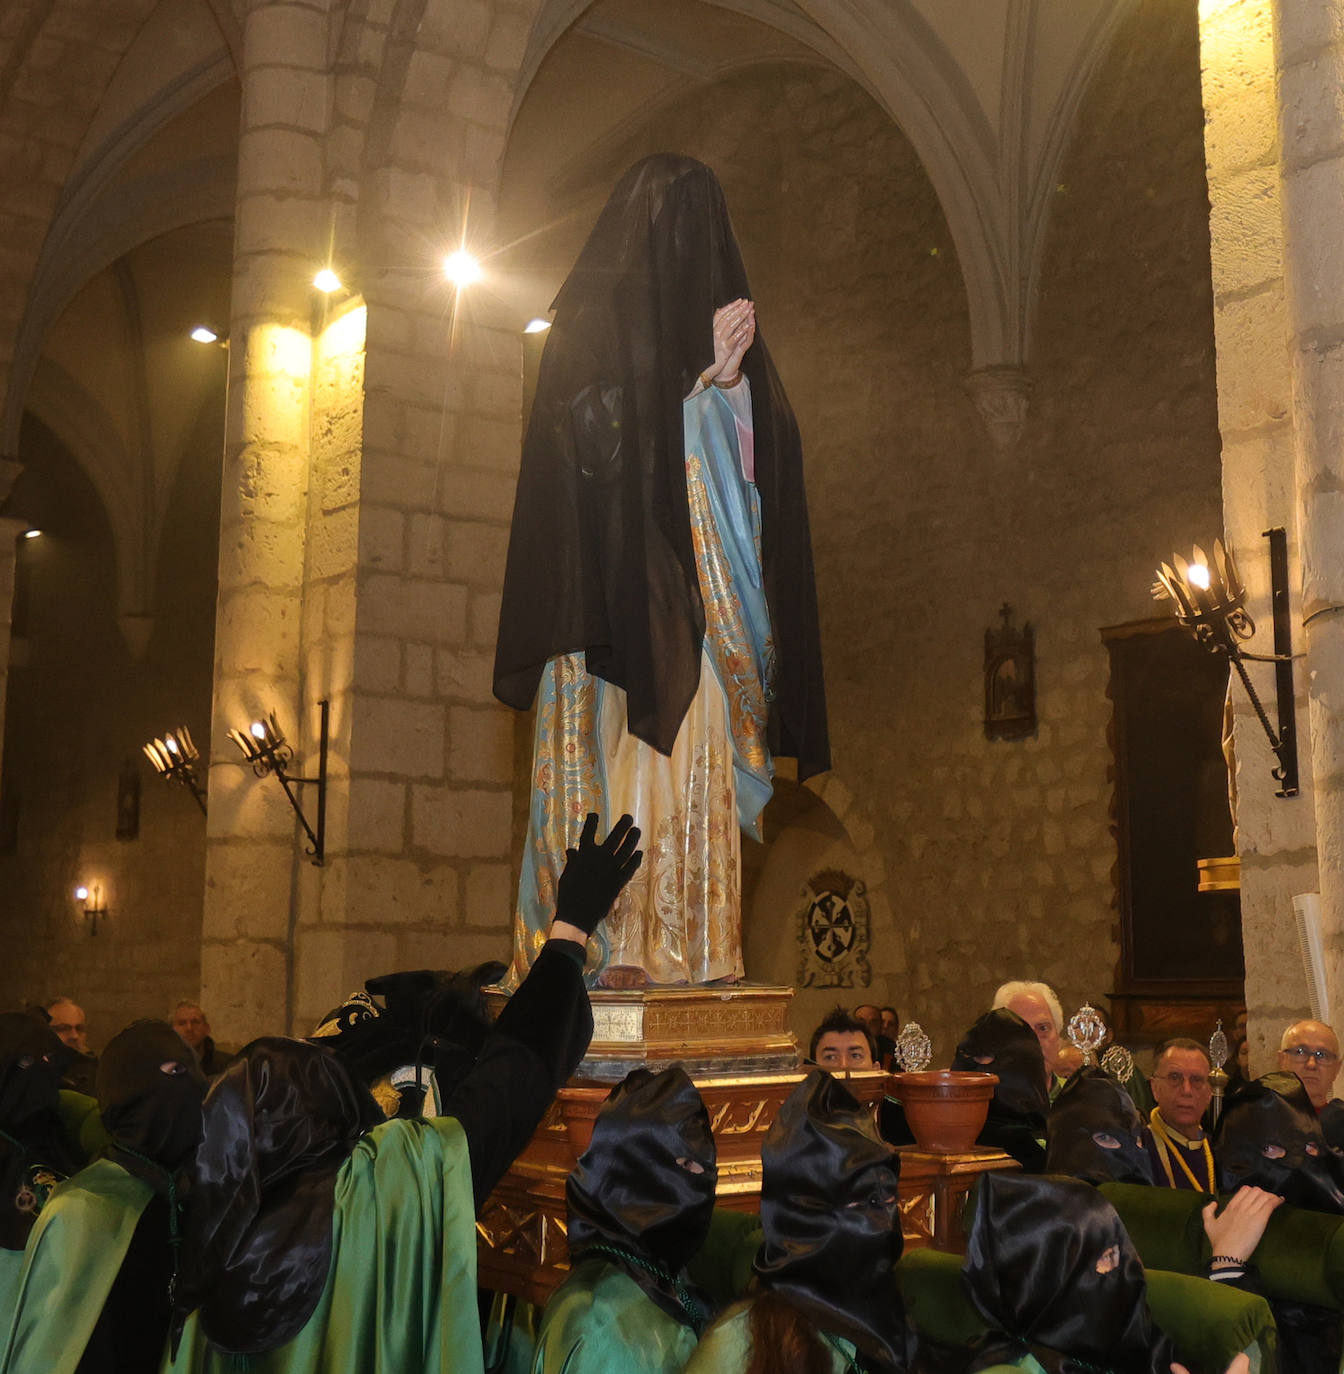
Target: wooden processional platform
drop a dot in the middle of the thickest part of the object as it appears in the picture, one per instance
(736, 1044)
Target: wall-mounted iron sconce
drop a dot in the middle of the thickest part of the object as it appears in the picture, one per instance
(93, 903)
(1211, 603)
(264, 746)
(175, 757)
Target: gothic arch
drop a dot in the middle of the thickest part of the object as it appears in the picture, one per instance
(995, 194)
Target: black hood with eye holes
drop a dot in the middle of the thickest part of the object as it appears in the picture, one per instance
(1274, 1114)
(832, 1226)
(1002, 1043)
(630, 1193)
(150, 1090)
(1032, 1269)
(1095, 1134)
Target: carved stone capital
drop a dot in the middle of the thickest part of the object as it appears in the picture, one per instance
(1002, 395)
(136, 630)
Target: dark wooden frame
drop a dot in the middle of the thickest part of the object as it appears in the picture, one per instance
(1149, 1008)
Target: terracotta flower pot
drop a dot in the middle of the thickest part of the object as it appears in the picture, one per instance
(946, 1109)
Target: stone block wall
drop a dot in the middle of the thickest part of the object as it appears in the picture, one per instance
(79, 707)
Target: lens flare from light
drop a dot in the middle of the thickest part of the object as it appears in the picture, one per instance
(327, 280)
(461, 268)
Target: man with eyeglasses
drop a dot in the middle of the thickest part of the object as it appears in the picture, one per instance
(1310, 1049)
(1174, 1134)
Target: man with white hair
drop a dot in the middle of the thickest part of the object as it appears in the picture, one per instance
(1038, 1006)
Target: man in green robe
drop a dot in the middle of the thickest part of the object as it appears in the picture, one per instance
(640, 1201)
(93, 1294)
(315, 1245)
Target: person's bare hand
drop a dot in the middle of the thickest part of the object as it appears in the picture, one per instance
(1237, 1231)
(734, 333)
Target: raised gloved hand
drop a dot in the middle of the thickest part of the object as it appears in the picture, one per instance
(594, 875)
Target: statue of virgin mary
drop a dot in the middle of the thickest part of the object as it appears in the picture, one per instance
(658, 604)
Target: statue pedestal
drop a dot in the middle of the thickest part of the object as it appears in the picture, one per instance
(715, 1031)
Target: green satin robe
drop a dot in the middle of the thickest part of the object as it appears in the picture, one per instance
(400, 1296)
(79, 1116)
(73, 1256)
(726, 1347)
(600, 1321)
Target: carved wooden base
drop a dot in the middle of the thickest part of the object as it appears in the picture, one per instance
(523, 1247)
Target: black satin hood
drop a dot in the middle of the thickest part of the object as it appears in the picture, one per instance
(35, 1153)
(830, 1216)
(150, 1090)
(628, 1190)
(1274, 1112)
(279, 1123)
(600, 554)
(426, 1016)
(32, 1060)
(1095, 1133)
(1002, 1043)
(1031, 1270)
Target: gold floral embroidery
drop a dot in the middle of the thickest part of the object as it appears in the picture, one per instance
(566, 784)
(726, 636)
(679, 919)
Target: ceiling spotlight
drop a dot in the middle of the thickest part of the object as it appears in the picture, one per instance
(536, 325)
(204, 334)
(32, 534)
(461, 268)
(327, 280)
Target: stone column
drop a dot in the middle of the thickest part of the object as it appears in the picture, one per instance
(281, 235)
(1310, 51)
(1276, 837)
(10, 533)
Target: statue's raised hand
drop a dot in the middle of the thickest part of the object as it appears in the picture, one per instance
(734, 333)
(594, 875)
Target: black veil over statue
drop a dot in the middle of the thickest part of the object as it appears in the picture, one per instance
(600, 557)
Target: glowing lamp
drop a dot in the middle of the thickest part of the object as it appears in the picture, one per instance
(461, 268)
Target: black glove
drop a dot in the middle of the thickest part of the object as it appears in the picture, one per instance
(595, 873)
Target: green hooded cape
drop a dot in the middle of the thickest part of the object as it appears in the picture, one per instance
(400, 1296)
(74, 1254)
(600, 1321)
